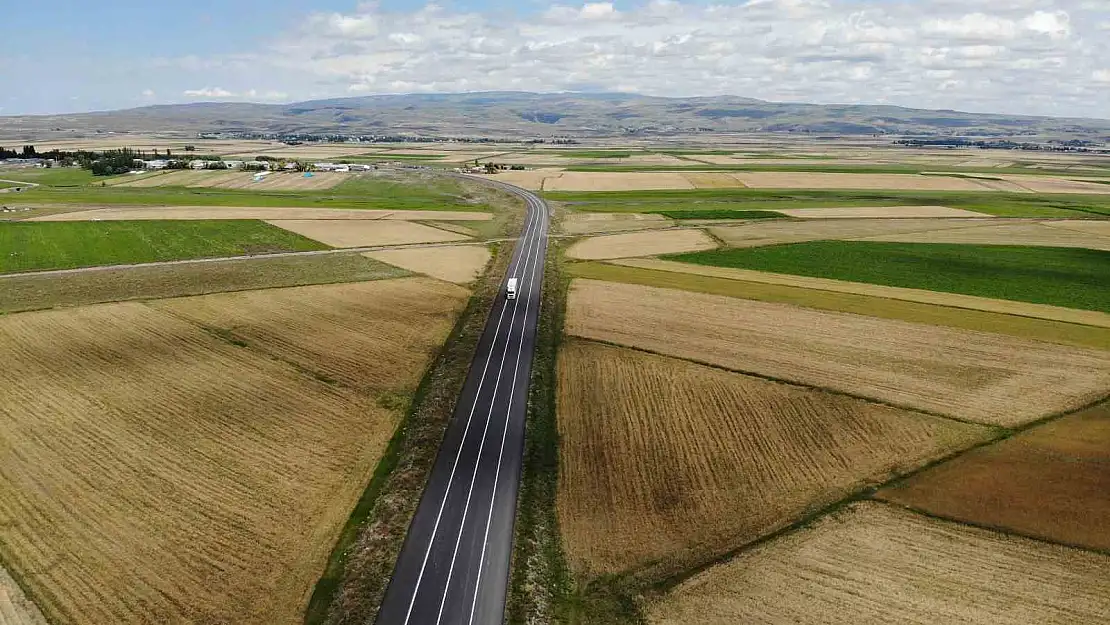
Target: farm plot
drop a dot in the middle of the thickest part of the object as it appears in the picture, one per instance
(1050, 482)
(460, 264)
(587, 223)
(873, 564)
(154, 473)
(977, 376)
(372, 336)
(826, 180)
(1044, 184)
(863, 212)
(616, 181)
(670, 463)
(1048, 234)
(713, 180)
(533, 180)
(641, 244)
(366, 233)
(281, 181)
(15, 607)
(246, 212)
(774, 232)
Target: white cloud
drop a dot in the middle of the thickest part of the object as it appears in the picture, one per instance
(1101, 75)
(208, 92)
(148, 93)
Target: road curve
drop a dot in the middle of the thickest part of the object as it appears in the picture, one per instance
(454, 565)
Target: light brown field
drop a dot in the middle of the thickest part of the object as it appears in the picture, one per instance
(713, 180)
(955, 300)
(864, 212)
(982, 377)
(246, 212)
(373, 336)
(588, 223)
(671, 463)
(532, 179)
(762, 232)
(280, 181)
(1047, 184)
(825, 180)
(155, 473)
(1049, 482)
(365, 233)
(641, 244)
(15, 608)
(873, 564)
(1049, 234)
(460, 264)
(616, 181)
(1100, 227)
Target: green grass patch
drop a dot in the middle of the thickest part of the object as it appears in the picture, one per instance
(725, 213)
(1069, 277)
(594, 153)
(54, 176)
(35, 246)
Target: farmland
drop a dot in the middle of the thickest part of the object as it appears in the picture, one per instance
(32, 246)
(670, 463)
(981, 377)
(1068, 277)
(1049, 482)
(641, 244)
(871, 563)
(1063, 233)
(165, 473)
(775, 232)
(460, 264)
(235, 180)
(364, 233)
(245, 212)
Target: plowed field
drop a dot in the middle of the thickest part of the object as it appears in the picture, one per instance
(873, 565)
(667, 462)
(982, 377)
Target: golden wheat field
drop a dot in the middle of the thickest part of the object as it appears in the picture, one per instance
(460, 264)
(825, 180)
(279, 181)
(983, 377)
(873, 564)
(641, 244)
(365, 233)
(155, 473)
(373, 336)
(616, 181)
(774, 232)
(666, 462)
(589, 223)
(1048, 234)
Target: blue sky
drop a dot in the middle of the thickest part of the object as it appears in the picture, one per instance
(1018, 56)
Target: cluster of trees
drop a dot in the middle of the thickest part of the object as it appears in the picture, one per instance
(492, 167)
(1002, 144)
(28, 152)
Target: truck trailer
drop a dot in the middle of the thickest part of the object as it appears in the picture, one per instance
(510, 289)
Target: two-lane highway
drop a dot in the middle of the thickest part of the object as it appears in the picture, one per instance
(454, 565)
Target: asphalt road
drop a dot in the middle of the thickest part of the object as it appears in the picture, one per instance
(454, 565)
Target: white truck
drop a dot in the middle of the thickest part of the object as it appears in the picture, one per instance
(510, 289)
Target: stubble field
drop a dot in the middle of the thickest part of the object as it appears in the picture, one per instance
(771, 233)
(873, 564)
(460, 264)
(969, 375)
(667, 463)
(641, 244)
(1048, 234)
(365, 233)
(278, 181)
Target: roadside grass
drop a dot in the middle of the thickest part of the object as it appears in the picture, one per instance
(51, 290)
(1059, 276)
(982, 321)
(36, 246)
(836, 169)
(1000, 204)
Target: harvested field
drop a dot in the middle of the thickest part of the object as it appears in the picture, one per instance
(900, 212)
(713, 180)
(873, 564)
(243, 212)
(373, 336)
(1098, 228)
(278, 181)
(759, 233)
(1050, 482)
(15, 608)
(1046, 184)
(970, 375)
(1008, 307)
(669, 463)
(616, 181)
(641, 244)
(825, 180)
(587, 223)
(532, 180)
(1045, 234)
(460, 264)
(155, 473)
(365, 233)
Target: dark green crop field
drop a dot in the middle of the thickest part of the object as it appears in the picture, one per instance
(727, 213)
(34, 246)
(1070, 277)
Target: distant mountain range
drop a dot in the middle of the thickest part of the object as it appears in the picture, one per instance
(533, 115)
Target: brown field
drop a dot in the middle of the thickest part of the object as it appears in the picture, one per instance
(241, 212)
(532, 180)
(1050, 482)
(713, 180)
(873, 564)
(641, 244)
(824, 180)
(955, 300)
(281, 181)
(588, 223)
(1050, 234)
(365, 233)
(372, 336)
(982, 377)
(774, 232)
(155, 473)
(672, 463)
(862, 212)
(460, 264)
(1099, 228)
(15, 608)
(1046, 184)
(616, 181)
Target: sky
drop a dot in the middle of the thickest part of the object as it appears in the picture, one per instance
(1040, 57)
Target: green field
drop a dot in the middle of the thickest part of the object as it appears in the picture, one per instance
(55, 176)
(593, 153)
(34, 246)
(1070, 277)
(990, 202)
